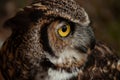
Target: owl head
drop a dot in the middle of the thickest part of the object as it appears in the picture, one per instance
(58, 29)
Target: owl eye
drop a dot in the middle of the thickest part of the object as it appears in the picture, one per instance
(64, 30)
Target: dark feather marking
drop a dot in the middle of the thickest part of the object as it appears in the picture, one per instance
(36, 14)
(45, 41)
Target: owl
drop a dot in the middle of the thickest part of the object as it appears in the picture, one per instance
(53, 40)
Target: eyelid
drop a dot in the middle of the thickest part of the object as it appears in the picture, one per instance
(60, 24)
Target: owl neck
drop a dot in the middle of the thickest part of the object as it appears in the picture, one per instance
(60, 73)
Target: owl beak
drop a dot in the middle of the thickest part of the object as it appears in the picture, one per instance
(92, 43)
(82, 49)
(85, 49)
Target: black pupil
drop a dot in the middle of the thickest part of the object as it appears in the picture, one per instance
(64, 28)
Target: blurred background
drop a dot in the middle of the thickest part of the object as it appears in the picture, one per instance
(105, 16)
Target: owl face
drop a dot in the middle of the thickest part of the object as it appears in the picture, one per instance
(68, 43)
(63, 36)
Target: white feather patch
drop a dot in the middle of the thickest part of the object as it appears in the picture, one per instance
(72, 56)
(61, 74)
(68, 54)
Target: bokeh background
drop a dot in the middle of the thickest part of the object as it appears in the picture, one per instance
(105, 16)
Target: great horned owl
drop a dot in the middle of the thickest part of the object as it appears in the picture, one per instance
(53, 40)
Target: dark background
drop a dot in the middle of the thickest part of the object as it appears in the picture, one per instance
(105, 16)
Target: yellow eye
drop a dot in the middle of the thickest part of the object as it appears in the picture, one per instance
(64, 30)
